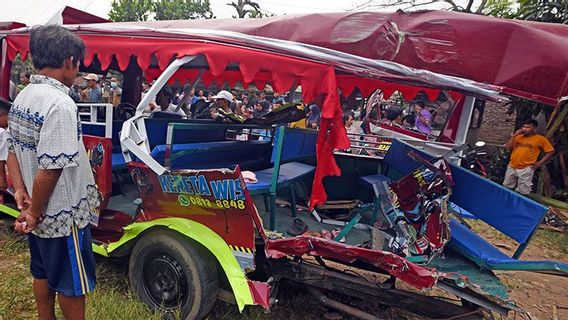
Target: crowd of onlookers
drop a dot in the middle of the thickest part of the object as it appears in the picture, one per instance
(208, 104)
(200, 103)
(419, 115)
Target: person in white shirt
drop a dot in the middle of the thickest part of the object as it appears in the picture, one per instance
(164, 103)
(46, 145)
(4, 110)
(353, 131)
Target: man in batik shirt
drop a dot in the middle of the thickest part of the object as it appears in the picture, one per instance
(55, 171)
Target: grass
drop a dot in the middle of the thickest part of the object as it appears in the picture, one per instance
(552, 244)
(110, 300)
(553, 239)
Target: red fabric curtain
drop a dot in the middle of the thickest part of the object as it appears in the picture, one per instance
(255, 66)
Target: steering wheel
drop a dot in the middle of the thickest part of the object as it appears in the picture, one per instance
(125, 111)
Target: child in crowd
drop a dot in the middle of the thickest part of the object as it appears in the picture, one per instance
(4, 110)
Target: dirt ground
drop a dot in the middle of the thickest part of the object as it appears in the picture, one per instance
(543, 296)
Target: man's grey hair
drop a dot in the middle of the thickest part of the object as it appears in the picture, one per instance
(51, 45)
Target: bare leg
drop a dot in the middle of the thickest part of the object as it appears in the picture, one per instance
(73, 307)
(45, 300)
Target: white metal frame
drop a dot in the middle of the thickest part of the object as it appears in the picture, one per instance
(93, 119)
(465, 120)
(133, 137)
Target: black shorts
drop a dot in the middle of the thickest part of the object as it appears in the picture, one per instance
(68, 263)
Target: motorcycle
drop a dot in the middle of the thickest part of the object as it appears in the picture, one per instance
(471, 159)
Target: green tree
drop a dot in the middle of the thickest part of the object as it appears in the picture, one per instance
(141, 10)
(499, 8)
(543, 11)
(130, 10)
(182, 9)
(247, 8)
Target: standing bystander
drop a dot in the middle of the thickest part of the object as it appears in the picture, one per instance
(46, 144)
(94, 92)
(526, 146)
(4, 110)
(24, 80)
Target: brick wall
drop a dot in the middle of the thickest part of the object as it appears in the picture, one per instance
(496, 125)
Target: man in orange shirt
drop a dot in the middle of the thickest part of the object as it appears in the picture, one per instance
(526, 146)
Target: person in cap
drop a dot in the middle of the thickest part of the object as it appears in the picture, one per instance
(94, 92)
(223, 101)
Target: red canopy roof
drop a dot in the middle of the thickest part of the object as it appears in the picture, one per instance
(9, 25)
(528, 59)
(75, 16)
(319, 71)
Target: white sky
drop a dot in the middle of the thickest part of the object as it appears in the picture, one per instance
(40, 11)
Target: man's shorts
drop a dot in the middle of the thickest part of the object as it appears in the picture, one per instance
(68, 263)
(519, 179)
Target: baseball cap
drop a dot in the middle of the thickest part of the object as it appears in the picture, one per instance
(91, 76)
(224, 94)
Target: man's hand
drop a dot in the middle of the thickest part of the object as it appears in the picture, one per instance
(25, 223)
(23, 200)
(518, 132)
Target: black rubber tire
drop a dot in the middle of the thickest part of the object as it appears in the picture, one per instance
(165, 259)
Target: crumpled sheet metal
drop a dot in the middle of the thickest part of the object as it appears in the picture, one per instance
(419, 277)
(528, 59)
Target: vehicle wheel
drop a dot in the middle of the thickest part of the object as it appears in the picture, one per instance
(171, 273)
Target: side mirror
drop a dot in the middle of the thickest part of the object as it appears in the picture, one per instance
(480, 144)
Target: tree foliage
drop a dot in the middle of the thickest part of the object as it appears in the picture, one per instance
(182, 9)
(499, 8)
(130, 10)
(554, 11)
(141, 10)
(248, 9)
(543, 11)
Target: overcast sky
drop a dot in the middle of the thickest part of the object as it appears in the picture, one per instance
(40, 11)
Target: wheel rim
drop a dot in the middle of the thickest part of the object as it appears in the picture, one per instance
(165, 281)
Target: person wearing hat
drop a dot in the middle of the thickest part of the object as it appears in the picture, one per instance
(94, 92)
(223, 101)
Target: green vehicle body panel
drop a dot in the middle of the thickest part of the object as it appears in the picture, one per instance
(204, 236)
(9, 211)
(193, 230)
